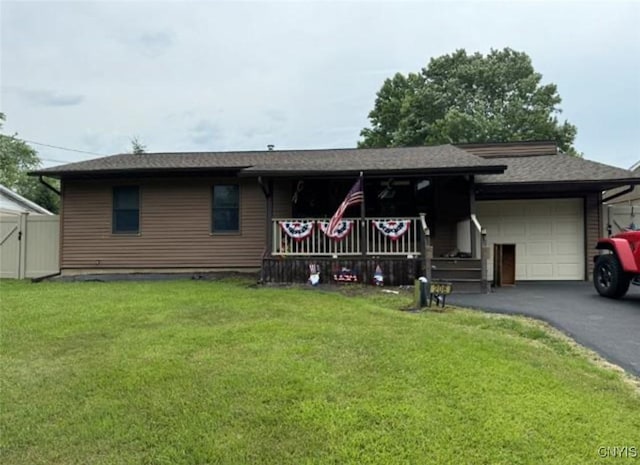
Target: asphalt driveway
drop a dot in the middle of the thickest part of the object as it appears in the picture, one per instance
(610, 327)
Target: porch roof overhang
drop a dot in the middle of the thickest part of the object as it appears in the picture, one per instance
(372, 172)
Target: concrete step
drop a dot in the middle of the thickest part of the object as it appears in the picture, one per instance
(456, 273)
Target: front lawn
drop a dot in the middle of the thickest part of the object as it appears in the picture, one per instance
(198, 372)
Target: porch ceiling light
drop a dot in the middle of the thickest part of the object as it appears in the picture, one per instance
(423, 184)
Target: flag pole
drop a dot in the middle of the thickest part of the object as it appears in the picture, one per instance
(363, 224)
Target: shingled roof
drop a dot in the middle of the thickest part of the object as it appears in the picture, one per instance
(440, 158)
(491, 169)
(560, 168)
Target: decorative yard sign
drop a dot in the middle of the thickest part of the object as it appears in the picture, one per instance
(314, 274)
(345, 275)
(393, 229)
(439, 292)
(378, 277)
(297, 229)
(342, 230)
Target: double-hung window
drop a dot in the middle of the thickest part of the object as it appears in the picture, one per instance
(225, 215)
(126, 210)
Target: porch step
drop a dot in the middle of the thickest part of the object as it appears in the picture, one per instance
(456, 273)
(452, 268)
(464, 273)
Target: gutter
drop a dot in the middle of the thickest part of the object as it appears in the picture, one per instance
(128, 172)
(619, 194)
(589, 184)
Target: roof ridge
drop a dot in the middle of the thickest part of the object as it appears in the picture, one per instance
(276, 151)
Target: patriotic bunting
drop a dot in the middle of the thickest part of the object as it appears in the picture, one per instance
(393, 229)
(297, 229)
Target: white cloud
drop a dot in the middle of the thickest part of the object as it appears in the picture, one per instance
(40, 97)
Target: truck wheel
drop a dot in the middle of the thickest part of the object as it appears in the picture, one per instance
(609, 278)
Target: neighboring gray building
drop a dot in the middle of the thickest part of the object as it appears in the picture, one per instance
(631, 198)
(12, 202)
(622, 212)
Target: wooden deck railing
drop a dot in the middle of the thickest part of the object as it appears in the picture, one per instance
(399, 237)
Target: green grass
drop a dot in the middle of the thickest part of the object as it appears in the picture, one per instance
(196, 372)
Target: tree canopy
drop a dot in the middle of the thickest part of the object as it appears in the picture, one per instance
(461, 98)
(17, 158)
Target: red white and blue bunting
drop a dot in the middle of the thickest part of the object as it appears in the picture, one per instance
(297, 229)
(342, 230)
(393, 229)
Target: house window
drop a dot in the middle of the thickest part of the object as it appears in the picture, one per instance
(226, 208)
(126, 209)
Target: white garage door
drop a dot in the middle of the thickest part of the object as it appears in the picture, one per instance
(549, 236)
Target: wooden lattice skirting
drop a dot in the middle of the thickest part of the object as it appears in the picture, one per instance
(397, 271)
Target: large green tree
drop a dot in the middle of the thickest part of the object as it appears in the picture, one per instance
(17, 158)
(461, 98)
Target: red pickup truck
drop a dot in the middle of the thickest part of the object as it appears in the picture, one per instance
(618, 268)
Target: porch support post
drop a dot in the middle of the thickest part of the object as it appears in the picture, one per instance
(267, 190)
(363, 223)
(472, 211)
(484, 262)
(427, 248)
(270, 218)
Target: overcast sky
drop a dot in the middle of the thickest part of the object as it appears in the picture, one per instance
(196, 76)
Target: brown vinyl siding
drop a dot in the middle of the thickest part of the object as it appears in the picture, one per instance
(593, 228)
(175, 226)
(61, 224)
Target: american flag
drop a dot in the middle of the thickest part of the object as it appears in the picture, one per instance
(354, 197)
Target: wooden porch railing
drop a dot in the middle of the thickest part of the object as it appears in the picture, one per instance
(317, 243)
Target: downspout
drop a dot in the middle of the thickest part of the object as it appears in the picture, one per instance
(267, 190)
(619, 194)
(48, 186)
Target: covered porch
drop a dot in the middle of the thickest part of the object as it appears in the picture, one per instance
(407, 227)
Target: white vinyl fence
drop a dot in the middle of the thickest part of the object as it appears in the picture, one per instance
(29, 246)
